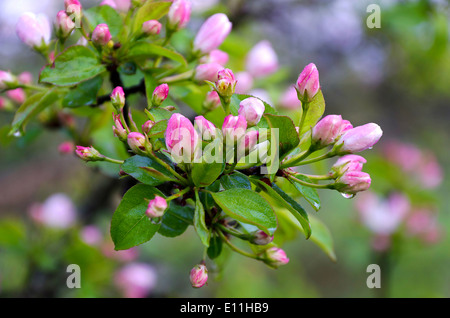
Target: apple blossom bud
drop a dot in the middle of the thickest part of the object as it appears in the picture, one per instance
(66, 147)
(101, 35)
(212, 33)
(247, 143)
(326, 131)
(160, 94)
(151, 27)
(199, 275)
(215, 56)
(73, 9)
(212, 101)
(156, 207)
(25, 78)
(137, 142)
(358, 139)
(147, 126)
(88, 153)
(261, 60)
(204, 128)
(252, 109)
(64, 24)
(261, 238)
(207, 72)
(110, 3)
(244, 83)
(179, 14)
(226, 83)
(6, 78)
(123, 5)
(308, 84)
(118, 98)
(348, 163)
(118, 129)
(275, 257)
(17, 95)
(181, 137)
(352, 182)
(234, 127)
(34, 30)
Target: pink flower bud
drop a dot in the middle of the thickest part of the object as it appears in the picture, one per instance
(326, 131)
(226, 83)
(17, 95)
(204, 128)
(244, 82)
(247, 143)
(118, 98)
(34, 30)
(136, 280)
(137, 142)
(212, 101)
(234, 127)
(261, 238)
(73, 9)
(147, 126)
(110, 3)
(5, 79)
(262, 60)
(252, 109)
(359, 138)
(199, 276)
(160, 94)
(179, 14)
(308, 84)
(101, 35)
(156, 207)
(215, 56)
(88, 153)
(353, 181)
(181, 137)
(91, 235)
(348, 163)
(118, 129)
(123, 5)
(25, 78)
(289, 99)
(151, 27)
(64, 24)
(66, 147)
(212, 33)
(207, 72)
(276, 257)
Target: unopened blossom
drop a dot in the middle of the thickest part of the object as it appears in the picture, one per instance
(179, 14)
(181, 137)
(207, 72)
(308, 84)
(226, 83)
(136, 280)
(212, 101)
(244, 82)
(252, 109)
(151, 27)
(147, 126)
(234, 127)
(64, 24)
(212, 33)
(6, 78)
(110, 3)
(101, 35)
(205, 128)
(327, 131)
(247, 143)
(66, 147)
(215, 56)
(353, 181)
(88, 153)
(17, 95)
(276, 257)
(261, 60)
(160, 94)
(34, 30)
(156, 207)
(118, 98)
(358, 139)
(289, 99)
(25, 78)
(261, 238)
(118, 128)
(73, 9)
(137, 142)
(198, 275)
(348, 163)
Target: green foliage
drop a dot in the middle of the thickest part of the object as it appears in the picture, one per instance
(146, 170)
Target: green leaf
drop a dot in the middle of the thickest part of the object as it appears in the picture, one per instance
(283, 200)
(144, 49)
(146, 170)
(310, 194)
(12, 233)
(158, 130)
(237, 98)
(84, 94)
(75, 65)
(199, 221)
(151, 10)
(130, 226)
(205, 173)
(247, 206)
(215, 247)
(104, 14)
(31, 107)
(315, 112)
(176, 220)
(235, 180)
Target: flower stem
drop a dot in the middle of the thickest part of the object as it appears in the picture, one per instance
(235, 248)
(293, 161)
(322, 157)
(179, 194)
(311, 185)
(113, 160)
(169, 168)
(232, 231)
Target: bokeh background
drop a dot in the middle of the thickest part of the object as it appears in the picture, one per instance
(397, 76)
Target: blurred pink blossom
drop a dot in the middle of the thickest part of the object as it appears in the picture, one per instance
(136, 280)
(91, 235)
(58, 211)
(289, 99)
(423, 224)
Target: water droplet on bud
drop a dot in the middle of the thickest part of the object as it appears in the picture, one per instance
(347, 195)
(17, 134)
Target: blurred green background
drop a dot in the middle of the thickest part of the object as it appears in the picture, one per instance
(397, 76)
